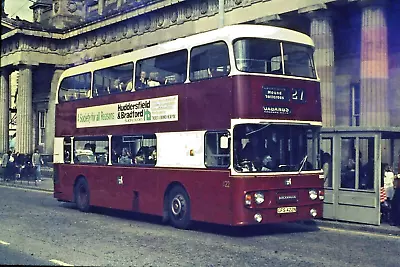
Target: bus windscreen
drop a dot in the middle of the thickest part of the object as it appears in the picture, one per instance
(265, 56)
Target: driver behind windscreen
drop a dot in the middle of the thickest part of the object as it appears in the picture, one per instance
(253, 151)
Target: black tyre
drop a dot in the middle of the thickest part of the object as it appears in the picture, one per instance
(82, 195)
(179, 208)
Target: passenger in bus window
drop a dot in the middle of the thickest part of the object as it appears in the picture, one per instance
(125, 157)
(129, 86)
(153, 79)
(118, 86)
(141, 83)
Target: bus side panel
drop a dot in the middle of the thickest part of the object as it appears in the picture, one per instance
(272, 187)
(143, 189)
(209, 104)
(209, 196)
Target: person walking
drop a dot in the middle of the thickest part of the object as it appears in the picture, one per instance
(4, 164)
(36, 163)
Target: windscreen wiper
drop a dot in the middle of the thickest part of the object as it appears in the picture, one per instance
(302, 163)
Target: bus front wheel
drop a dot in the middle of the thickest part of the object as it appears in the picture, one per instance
(179, 208)
(82, 195)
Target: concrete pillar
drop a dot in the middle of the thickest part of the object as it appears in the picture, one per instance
(50, 118)
(374, 65)
(4, 110)
(394, 64)
(24, 140)
(100, 8)
(322, 35)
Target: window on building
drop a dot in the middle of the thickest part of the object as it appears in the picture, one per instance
(42, 127)
(209, 61)
(161, 70)
(75, 87)
(113, 80)
(134, 150)
(355, 105)
(91, 150)
(217, 147)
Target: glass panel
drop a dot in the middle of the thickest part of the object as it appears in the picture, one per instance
(209, 61)
(67, 150)
(348, 163)
(298, 60)
(161, 70)
(75, 87)
(215, 154)
(326, 158)
(113, 80)
(134, 150)
(276, 148)
(367, 164)
(91, 150)
(264, 56)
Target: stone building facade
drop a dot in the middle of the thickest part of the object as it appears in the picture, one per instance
(357, 52)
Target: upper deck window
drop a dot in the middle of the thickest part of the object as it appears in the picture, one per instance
(113, 80)
(265, 56)
(161, 70)
(209, 61)
(75, 87)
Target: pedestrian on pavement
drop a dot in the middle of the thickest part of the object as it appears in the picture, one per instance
(396, 201)
(4, 164)
(37, 161)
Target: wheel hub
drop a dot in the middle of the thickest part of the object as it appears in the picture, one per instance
(178, 205)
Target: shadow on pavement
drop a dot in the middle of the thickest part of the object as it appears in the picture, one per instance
(233, 231)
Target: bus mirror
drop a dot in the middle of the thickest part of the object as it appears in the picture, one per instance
(224, 142)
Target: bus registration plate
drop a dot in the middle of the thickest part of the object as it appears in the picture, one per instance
(286, 210)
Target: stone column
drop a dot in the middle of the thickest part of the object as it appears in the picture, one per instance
(374, 65)
(322, 34)
(394, 64)
(51, 111)
(100, 8)
(4, 110)
(24, 140)
(119, 3)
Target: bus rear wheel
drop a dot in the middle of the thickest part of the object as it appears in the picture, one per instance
(82, 195)
(179, 208)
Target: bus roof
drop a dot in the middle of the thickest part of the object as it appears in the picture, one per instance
(227, 34)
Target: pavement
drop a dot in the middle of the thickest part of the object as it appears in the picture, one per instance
(47, 185)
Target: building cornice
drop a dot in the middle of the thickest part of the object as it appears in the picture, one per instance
(136, 29)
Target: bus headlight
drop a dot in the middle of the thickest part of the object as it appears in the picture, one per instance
(313, 194)
(313, 212)
(258, 217)
(259, 197)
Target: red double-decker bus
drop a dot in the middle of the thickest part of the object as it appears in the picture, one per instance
(219, 127)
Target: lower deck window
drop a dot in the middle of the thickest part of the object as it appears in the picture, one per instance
(134, 150)
(91, 150)
(217, 149)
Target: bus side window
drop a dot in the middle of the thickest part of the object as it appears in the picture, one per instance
(134, 150)
(161, 70)
(113, 80)
(216, 149)
(209, 61)
(91, 150)
(75, 87)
